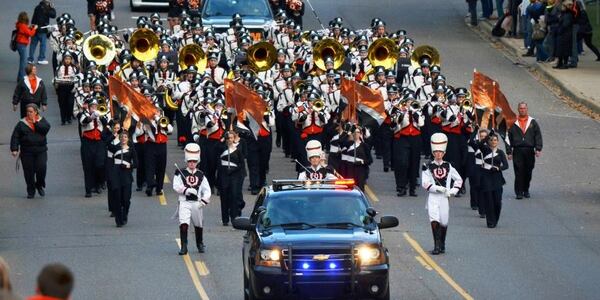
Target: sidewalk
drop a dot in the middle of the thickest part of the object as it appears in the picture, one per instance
(581, 84)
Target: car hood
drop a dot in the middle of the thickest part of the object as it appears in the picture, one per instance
(319, 236)
(249, 22)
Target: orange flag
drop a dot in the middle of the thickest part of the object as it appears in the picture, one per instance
(369, 102)
(486, 92)
(240, 97)
(134, 100)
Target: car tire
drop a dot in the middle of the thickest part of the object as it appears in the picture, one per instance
(248, 293)
(386, 296)
(133, 9)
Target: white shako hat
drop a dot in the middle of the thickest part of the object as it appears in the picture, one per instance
(439, 141)
(192, 152)
(313, 148)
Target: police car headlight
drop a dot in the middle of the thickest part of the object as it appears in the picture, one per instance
(368, 255)
(269, 257)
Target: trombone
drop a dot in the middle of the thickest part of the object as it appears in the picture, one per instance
(318, 105)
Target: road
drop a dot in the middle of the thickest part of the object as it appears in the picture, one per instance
(546, 247)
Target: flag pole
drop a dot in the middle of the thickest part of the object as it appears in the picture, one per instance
(494, 105)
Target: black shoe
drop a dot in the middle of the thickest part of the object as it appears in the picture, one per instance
(401, 192)
(386, 169)
(139, 189)
(184, 249)
(278, 144)
(119, 225)
(526, 195)
(598, 59)
(412, 193)
(159, 192)
(254, 192)
(97, 191)
(225, 224)
(112, 215)
(103, 186)
(481, 216)
(519, 196)
(474, 208)
(69, 121)
(30, 196)
(378, 156)
(287, 156)
(201, 248)
(88, 195)
(199, 242)
(528, 54)
(149, 192)
(491, 225)
(62, 123)
(41, 191)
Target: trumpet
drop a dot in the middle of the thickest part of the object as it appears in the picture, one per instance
(318, 105)
(163, 122)
(103, 108)
(466, 105)
(415, 105)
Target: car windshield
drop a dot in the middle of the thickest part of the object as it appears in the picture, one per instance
(313, 209)
(251, 8)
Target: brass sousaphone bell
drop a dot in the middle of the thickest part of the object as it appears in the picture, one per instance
(261, 56)
(144, 44)
(383, 53)
(328, 48)
(99, 49)
(422, 52)
(192, 55)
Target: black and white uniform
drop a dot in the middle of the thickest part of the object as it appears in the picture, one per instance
(356, 158)
(93, 150)
(231, 173)
(492, 164)
(64, 82)
(318, 173)
(441, 180)
(124, 161)
(193, 194)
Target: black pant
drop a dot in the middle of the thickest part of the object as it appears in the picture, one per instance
(407, 151)
(213, 159)
(34, 169)
(360, 173)
(65, 101)
(265, 143)
(514, 11)
(473, 11)
(385, 142)
(230, 189)
(93, 154)
(121, 200)
(140, 171)
(493, 206)
(523, 163)
(252, 160)
(587, 38)
(155, 159)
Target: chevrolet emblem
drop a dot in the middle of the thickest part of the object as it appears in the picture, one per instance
(321, 257)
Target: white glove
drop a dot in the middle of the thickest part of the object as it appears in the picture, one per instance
(440, 189)
(448, 194)
(96, 114)
(191, 191)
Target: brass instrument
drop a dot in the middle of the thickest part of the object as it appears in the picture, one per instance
(78, 37)
(99, 49)
(305, 37)
(192, 55)
(102, 106)
(383, 52)
(423, 52)
(328, 48)
(163, 122)
(318, 105)
(466, 105)
(261, 56)
(144, 44)
(415, 105)
(169, 103)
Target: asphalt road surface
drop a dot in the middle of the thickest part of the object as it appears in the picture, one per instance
(546, 247)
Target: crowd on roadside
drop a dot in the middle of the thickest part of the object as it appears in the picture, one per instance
(552, 30)
(55, 281)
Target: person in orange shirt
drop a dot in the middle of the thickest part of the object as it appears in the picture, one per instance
(55, 282)
(24, 34)
(30, 89)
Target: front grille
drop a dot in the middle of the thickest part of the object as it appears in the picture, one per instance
(318, 260)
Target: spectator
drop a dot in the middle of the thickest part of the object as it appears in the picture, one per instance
(487, 8)
(56, 281)
(24, 34)
(513, 9)
(564, 42)
(30, 89)
(525, 144)
(42, 14)
(551, 19)
(29, 136)
(500, 8)
(535, 10)
(523, 24)
(585, 32)
(4, 276)
(473, 10)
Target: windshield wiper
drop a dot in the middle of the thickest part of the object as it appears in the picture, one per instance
(340, 225)
(298, 225)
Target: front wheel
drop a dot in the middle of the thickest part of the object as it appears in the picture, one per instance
(248, 293)
(133, 8)
(386, 296)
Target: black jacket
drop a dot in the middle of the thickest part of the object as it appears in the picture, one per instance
(532, 138)
(23, 93)
(28, 140)
(42, 15)
(491, 168)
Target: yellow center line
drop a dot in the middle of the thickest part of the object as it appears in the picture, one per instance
(202, 268)
(193, 274)
(428, 260)
(423, 263)
(162, 200)
(371, 194)
(167, 179)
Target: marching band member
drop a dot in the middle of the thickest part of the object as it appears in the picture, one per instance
(110, 137)
(493, 163)
(124, 161)
(356, 156)
(231, 173)
(193, 194)
(92, 147)
(316, 170)
(155, 154)
(66, 75)
(215, 128)
(217, 74)
(452, 126)
(474, 162)
(139, 138)
(442, 181)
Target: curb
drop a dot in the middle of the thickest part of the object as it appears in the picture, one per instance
(486, 28)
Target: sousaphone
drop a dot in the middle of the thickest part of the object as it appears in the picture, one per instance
(192, 55)
(99, 49)
(423, 52)
(261, 56)
(144, 44)
(328, 48)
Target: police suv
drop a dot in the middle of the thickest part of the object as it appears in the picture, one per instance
(314, 240)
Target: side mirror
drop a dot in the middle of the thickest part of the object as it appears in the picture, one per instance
(371, 212)
(243, 223)
(385, 222)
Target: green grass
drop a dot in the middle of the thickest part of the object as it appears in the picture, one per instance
(593, 10)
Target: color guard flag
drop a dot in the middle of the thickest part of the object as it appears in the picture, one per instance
(134, 100)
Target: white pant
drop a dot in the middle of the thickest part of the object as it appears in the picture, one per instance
(190, 211)
(438, 208)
